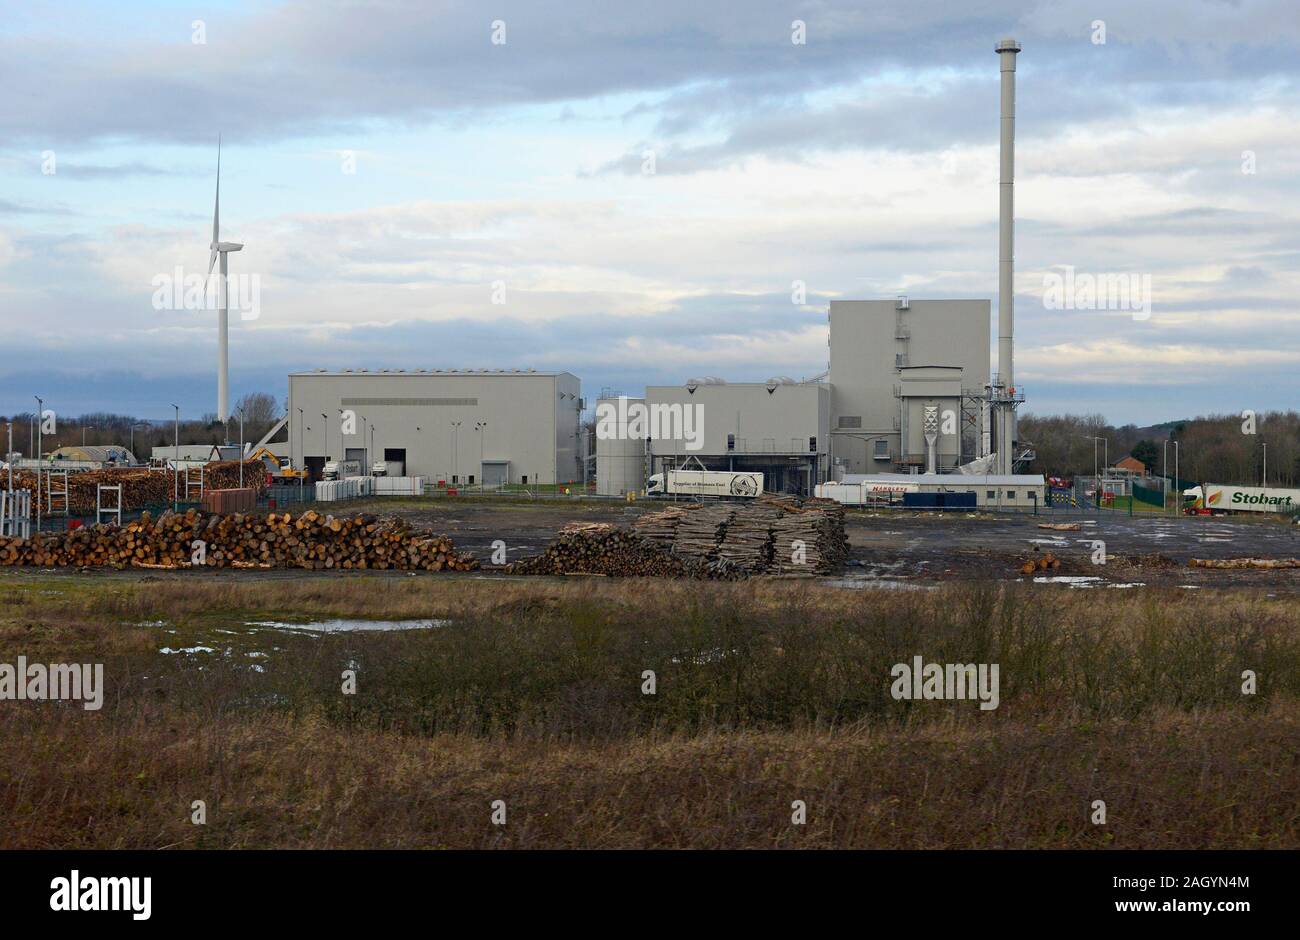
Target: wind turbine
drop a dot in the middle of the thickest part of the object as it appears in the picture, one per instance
(223, 321)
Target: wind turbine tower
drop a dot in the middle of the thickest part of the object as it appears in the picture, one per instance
(223, 317)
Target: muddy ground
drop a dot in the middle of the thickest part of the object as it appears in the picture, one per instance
(900, 549)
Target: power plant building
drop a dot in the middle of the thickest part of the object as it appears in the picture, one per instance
(779, 428)
(896, 365)
(458, 426)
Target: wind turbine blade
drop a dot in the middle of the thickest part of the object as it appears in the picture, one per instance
(216, 208)
(211, 261)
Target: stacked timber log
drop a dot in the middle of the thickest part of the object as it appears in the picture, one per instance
(141, 486)
(747, 541)
(701, 529)
(1266, 564)
(659, 528)
(809, 539)
(612, 553)
(274, 540)
(781, 535)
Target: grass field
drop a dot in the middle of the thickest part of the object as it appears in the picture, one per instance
(532, 693)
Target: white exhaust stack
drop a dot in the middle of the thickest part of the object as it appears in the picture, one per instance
(1006, 411)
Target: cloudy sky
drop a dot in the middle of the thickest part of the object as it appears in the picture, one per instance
(642, 184)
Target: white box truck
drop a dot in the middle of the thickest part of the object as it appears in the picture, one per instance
(705, 483)
(1215, 498)
(341, 469)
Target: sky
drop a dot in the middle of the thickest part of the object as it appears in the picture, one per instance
(640, 193)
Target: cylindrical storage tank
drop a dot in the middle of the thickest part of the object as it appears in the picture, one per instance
(620, 457)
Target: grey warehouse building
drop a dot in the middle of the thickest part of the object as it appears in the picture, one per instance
(896, 365)
(459, 426)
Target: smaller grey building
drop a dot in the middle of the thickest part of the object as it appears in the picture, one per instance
(454, 426)
(780, 428)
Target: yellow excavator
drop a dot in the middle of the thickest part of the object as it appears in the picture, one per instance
(279, 468)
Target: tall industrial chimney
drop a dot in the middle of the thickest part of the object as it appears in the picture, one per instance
(1006, 411)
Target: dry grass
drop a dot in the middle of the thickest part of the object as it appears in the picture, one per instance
(1175, 780)
(768, 692)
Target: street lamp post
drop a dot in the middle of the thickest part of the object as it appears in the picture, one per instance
(326, 419)
(302, 451)
(1177, 484)
(40, 446)
(176, 458)
(1264, 483)
(241, 447)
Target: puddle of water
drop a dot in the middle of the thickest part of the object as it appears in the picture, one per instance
(884, 584)
(339, 626)
(1073, 580)
(188, 649)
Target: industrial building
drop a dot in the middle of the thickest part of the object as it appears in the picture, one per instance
(903, 370)
(779, 428)
(908, 387)
(906, 392)
(458, 426)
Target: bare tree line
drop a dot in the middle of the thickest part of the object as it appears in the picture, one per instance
(261, 411)
(1228, 449)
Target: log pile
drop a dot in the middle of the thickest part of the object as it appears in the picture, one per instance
(718, 541)
(810, 539)
(659, 528)
(701, 529)
(615, 553)
(274, 540)
(747, 541)
(1267, 564)
(1046, 561)
(141, 486)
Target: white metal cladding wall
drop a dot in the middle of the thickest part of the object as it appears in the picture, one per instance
(783, 420)
(865, 345)
(620, 460)
(448, 423)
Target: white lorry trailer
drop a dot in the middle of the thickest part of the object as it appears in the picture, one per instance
(1215, 498)
(705, 483)
(341, 469)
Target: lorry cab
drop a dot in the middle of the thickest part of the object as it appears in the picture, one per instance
(655, 484)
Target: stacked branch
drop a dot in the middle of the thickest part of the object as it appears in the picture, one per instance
(275, 540)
